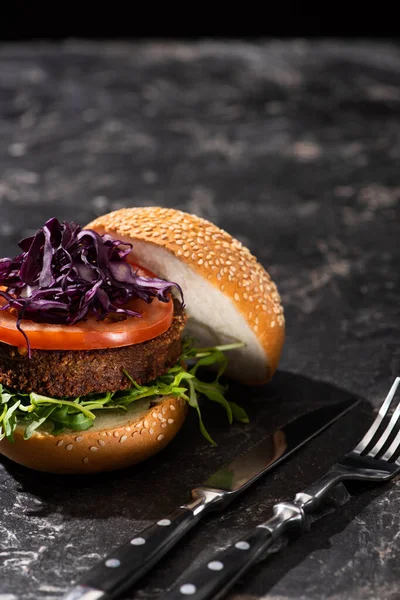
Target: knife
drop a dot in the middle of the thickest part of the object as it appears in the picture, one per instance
(127, 564)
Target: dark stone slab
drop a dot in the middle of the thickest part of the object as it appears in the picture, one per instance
(294, 148)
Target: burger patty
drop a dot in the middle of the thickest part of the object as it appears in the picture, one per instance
(73, 373)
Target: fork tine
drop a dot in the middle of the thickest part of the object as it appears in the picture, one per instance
(379, 418)
(392, 448)
(385, 435)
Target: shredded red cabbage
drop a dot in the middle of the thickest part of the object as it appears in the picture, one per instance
(66, 273)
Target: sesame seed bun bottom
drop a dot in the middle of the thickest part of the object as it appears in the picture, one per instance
(117, 439)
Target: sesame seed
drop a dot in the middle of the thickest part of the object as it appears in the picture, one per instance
(160, 416)
(151, 431)
(160, 437)
(127, 428)
(172, 407)
(154, 415)
(143, 431)
(102, 433)
(69, 447)
(146, 424)
(116, 434)
(170, 421)
(222, 287)
(101, 442)
(123, 439)
(139, 425)
(163, 425)
(236, 296)
(154, 423)
(79, 438)
(85, 460)
(272, 323)
(93, 448)
(135, 433)
(186, 254)
(60, 442)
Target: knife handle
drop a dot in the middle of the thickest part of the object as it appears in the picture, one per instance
(125, 565)
(217, 575)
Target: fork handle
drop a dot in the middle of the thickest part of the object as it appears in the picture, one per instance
(222, 570)
(313, 496)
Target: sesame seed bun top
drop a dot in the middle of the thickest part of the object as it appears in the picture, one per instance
(229, 295)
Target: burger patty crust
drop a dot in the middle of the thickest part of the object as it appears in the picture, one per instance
(73, 373)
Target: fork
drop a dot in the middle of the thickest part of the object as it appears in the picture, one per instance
(376, 458)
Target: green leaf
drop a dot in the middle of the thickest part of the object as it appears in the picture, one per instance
(9, 421)
(193, 402)
(39, 400)
(41, 416)
(208, 389)
(239, 413)
(4, 397)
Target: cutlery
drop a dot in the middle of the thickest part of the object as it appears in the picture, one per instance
(127, 564)
(376, 458)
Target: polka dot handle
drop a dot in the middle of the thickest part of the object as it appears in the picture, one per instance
(123, 567)
(218, 573)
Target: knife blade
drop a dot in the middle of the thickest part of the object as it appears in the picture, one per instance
(124, 566)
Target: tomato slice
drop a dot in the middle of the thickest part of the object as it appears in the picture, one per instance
(92, 334)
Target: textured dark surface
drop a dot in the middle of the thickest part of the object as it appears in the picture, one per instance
(294, 148)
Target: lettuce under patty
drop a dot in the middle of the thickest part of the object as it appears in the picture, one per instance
(31, 411)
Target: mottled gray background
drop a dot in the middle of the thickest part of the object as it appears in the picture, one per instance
(292, 146)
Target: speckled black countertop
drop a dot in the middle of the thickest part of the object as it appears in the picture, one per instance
(294, 147)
